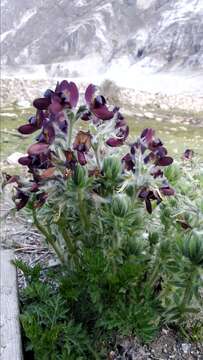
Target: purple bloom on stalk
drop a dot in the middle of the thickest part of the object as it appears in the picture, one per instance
(40, 161)
(166, 190)
(82, 144)
(148, 195)
(20, 199)
(35, 123)
(121, 134)
(97, 105)
(128, 162)
(66, 95)
(188, 154)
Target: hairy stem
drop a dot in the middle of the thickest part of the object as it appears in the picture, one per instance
(48, 237)
(154, 275)
(96, 151)
(83, 213)
(71, 247)
(187, 293)
(70, 131)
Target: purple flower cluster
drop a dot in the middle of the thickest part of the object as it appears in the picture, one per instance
(56, 112)
(154, 154)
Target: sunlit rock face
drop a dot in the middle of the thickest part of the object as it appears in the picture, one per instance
(158, 34)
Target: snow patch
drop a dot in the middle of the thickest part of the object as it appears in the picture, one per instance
(80, 3)
(25, 18)
(182, 11)
(144, 4)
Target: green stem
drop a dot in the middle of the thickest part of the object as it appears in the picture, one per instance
(71, 248)
(70, 131)
(48, 236)
(83, 214)
(96, 151)
(153, 277)
(187, 293)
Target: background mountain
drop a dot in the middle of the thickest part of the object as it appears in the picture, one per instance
(83, 36)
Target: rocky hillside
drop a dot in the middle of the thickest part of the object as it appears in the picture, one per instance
(93, 34)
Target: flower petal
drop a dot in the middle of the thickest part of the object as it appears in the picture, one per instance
(128, 162)
(25, 160)
(114, 142)
(82, 141)
(147, 135)
(38, 148)
(103, 113)
(81, 158)
(74, 94)
(167, 191)
(148, 205)
(27, 129)
(55, 106)
(89, 93)
(42, 103)
(165, 161)
(188, 154)
(86, 116)
(64, 85)
(21, 199)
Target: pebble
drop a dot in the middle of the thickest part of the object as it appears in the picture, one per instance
(186, 348)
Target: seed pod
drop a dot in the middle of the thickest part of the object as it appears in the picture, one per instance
(192, 248)
(80, 176)
(120, 205)
(111, 167)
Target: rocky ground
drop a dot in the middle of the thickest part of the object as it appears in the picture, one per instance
(23, 91)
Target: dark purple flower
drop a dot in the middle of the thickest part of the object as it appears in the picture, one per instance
(38, 148)
(40, 199)
(42, 103)
(70, 159)
(164, 161)
(184, 224)
(97, 105)
(35, 123)
(167, 190)
(25, 160)
(188, 154)
(20, 199)
(82, 144)
(68, 93)
(147, 136)
(121, 134)
(156, 172)
(128, 162)
(148, 195)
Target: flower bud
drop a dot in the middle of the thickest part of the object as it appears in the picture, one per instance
(80, 176)
(120, 205)
(111, 167)
(192, 248)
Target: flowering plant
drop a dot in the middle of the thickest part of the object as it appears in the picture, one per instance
(118, 217)
(78, 170)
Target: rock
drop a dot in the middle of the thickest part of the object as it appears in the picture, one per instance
(164, 107)
(185, 348)
(149, 115)
(13, 158)
(23, 103)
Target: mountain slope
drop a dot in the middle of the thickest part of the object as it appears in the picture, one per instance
(157, 34)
